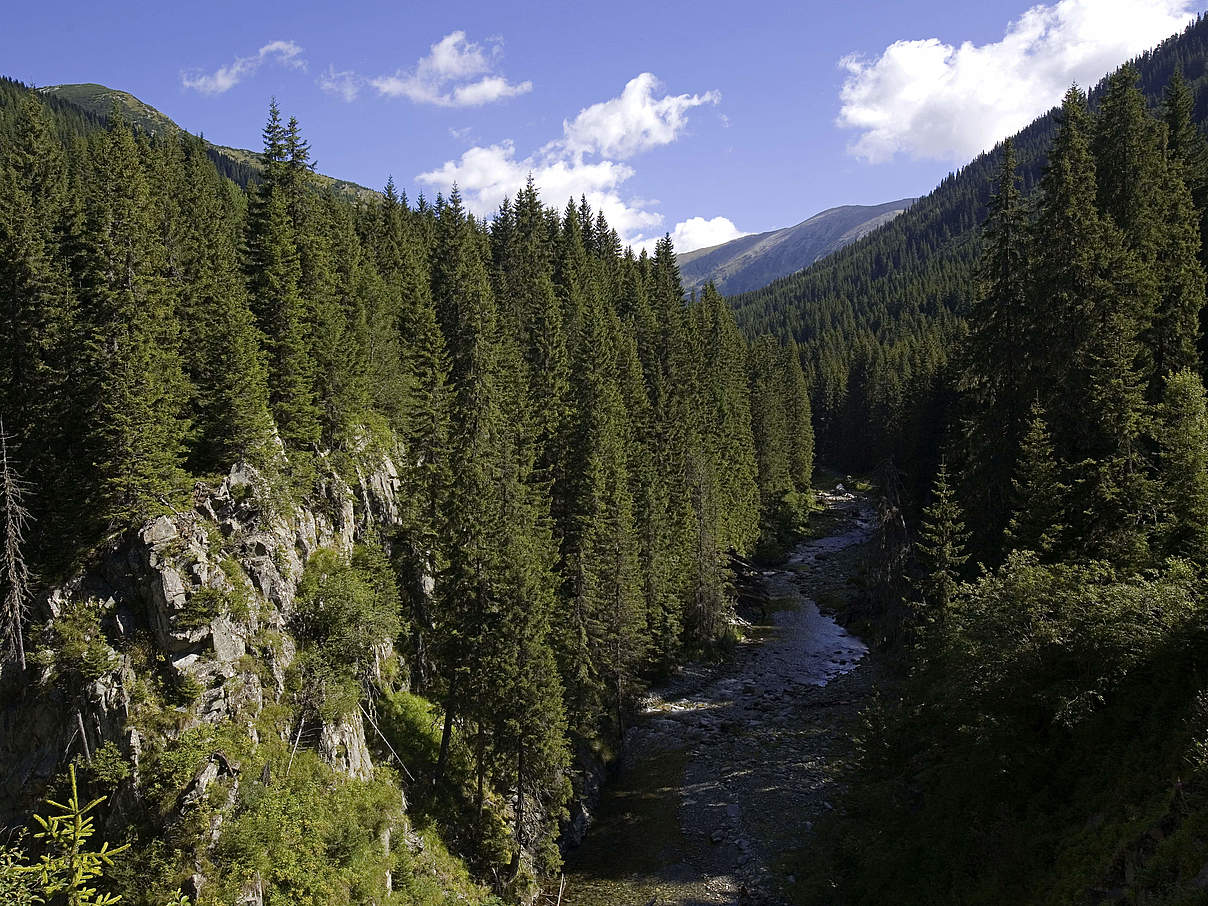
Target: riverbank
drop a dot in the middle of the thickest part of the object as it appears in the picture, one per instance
(732, 763)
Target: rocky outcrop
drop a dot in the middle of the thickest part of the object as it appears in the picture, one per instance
(194, 592)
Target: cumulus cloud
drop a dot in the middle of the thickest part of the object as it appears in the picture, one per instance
(634, 122)
(587, 159)
(933, 100)
(455, 73)
(227, 77)
(698, 233)
(487, 175)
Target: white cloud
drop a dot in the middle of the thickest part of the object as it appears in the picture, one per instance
(345, 84)
(698, 233)
(487, 175)
(634, 122)
(227, 77)
(487, 90)
(933, 100)
(610, 132)
(455, 73)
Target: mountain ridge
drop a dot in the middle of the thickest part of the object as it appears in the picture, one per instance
(750, 262)
(239, 164)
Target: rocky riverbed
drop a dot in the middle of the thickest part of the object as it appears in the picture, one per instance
(732, 763)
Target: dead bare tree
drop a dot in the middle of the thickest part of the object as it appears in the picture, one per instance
(15, 577)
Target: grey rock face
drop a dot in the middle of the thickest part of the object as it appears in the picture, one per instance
(200, 588)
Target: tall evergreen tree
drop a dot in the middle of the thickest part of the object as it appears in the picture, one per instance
(427, 476)
(135, 378)
(1153, 208)
(941, 547)
(1039, 496)
(15, 574)
(729, 442)
(1085, 284)
(274, 276)
(1185, 143)
(770, 429)
(601, 641)
(1003, 332)
(224, 355)
(38, 316)
(1183, 466)
(468, 597)
(800, 423)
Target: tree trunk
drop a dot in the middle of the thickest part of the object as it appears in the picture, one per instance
(520, 796)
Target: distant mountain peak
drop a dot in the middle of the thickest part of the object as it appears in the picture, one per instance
(750, 262)
(100, 99)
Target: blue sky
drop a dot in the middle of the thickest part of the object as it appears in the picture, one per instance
(705, 119)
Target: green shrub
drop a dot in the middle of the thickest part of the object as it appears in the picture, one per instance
(75, 648)
(313, 836)
(202, 607)
(345, 609)
(108, 768)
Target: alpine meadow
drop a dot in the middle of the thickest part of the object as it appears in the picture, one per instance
(447, 545)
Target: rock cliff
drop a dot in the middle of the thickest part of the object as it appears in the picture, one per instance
(203, 599)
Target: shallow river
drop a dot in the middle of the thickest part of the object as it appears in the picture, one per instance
(730, 764)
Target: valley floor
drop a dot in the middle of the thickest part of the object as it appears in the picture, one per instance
(731, 763)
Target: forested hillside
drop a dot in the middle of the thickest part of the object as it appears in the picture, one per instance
(334, 521)
(1046, 739)
(240, 165)
(877, 320)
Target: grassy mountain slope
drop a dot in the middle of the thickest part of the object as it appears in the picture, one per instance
(239, 164)
(750, 262)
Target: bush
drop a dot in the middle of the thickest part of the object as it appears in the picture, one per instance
(202, 607)
(313, 836)
(345, 609)
(1049, 742)
(74, 646)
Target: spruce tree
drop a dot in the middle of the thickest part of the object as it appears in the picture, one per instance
(600, 639)
(770, 428)
(729, 443)
(521, 692)
(427, 475)
(473, 528)
(1173, 334)
(15, 574)
(1039, 496)
(224, 358)
(524, 263)
(1183, 466)
(274, 275)
(1187, 150)
(800, 424)
(1185, 143)
(138, 388)
(941, 547)
(1155, 212)
(995, 374)
(39, 322)
(1086, 293)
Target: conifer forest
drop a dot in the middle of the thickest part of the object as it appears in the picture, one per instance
(361, 550)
